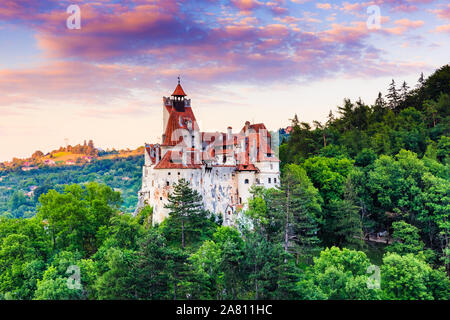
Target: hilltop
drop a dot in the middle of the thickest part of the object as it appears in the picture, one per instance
(67, 156)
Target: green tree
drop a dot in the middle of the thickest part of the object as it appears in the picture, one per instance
(340, 274)
(406, 239)
(186, 209)
(115, 282)
(405, 278)
(298, 207)
(74, 217)
(343, 225)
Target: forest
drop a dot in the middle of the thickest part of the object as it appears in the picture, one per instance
(20, 191)
(370, 172)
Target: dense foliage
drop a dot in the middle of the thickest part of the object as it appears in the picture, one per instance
(20, 191)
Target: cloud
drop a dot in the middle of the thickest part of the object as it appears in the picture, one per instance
(442, 13)
(325, 6)
(443, 29)
(409, 23)
(126, 46)
(246, 6)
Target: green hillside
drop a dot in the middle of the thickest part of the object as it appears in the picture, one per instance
(20, 190)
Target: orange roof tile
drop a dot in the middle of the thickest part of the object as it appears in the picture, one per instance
(179, 91)
(246, 167)
(178, 120)
(173, 161)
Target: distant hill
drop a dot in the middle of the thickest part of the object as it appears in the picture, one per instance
(22, 181)
(67, 156)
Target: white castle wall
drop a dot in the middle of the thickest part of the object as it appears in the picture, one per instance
(268, 170)
(221, 188)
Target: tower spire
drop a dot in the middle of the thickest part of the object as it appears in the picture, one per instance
(179, 92)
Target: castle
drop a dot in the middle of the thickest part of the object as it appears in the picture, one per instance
(222, 167)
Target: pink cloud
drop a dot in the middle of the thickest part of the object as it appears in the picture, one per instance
(409, 23)
(442, 13)
(443, 29)
(325, 6)
(246, 5)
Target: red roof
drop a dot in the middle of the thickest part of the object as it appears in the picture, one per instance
(153, 151)
(260, 142)
(178, 120)
(172, 160)
(246, 167)
(179, 91)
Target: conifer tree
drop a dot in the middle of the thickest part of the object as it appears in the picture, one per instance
(421, 81)
(404, 91)
(298, 205)
(379, 102)
(392, 95)
(185, 205)
(322, 128)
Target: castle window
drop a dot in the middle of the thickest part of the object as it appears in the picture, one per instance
(271, 166)
(168, 173)
(274, 180)
(168, 183)
(240, 200)
(270, 180)
(257, 181)
(246, 181)
(179, 173)
(160, 198)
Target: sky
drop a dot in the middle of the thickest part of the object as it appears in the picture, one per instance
(239, 60)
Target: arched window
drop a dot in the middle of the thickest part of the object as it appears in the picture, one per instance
(246, 181)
